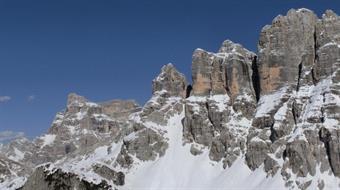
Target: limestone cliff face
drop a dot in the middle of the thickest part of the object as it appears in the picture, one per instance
(221, 96)
(228, 71)
(299, 102)
(275, 115)
(295, 79)
(327, 45)
(284, 47)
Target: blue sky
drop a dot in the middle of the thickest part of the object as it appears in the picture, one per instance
(111, 49)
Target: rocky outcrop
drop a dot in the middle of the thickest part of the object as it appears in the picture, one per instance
(297, 65)
(118, 178)
(332, 148)
(10, 172)
(4, 170)
(284, 46)
(87, 120)
(228, 71)
(104, 117)
(238, 62)
(78, 130)
(170, 88)
(43, 179)
(327, 45)
(222, 94)
(146, 144)
(170, 82)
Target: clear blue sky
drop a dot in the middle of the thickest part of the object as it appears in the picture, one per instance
(112, 49)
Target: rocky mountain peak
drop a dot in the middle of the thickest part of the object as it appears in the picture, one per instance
(170, 82)
(230, 47)
(329, 14)
(74, 98)
(75, 102)
(285, 46)
(226, 72)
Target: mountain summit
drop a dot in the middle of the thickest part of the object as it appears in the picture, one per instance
(269, 120)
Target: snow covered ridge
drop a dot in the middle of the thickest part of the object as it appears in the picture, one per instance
(266, 121)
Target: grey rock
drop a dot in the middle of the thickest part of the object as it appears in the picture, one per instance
(42, 179)
(321, 185)
(201, 71)
(327, 56)
(118, 178)
(327, 29)
(217, 150)
(297, 52)
(171, 81)
(195, 150)
(327, 48)
(169, 90)
(196, 125)
(228, 71)
(300, 158)
(224, 76)
(283, 46)
(124, 159)
(256, 153)
(75, 102)
(271, 166)
(227, 147)
(119, 109)
(160, 108)
(305, 185)
(147, 145)
(332, 145)
(4, 170)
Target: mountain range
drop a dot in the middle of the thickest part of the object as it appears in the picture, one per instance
(265, 120)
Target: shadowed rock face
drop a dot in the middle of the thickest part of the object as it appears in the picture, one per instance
(278, 112)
